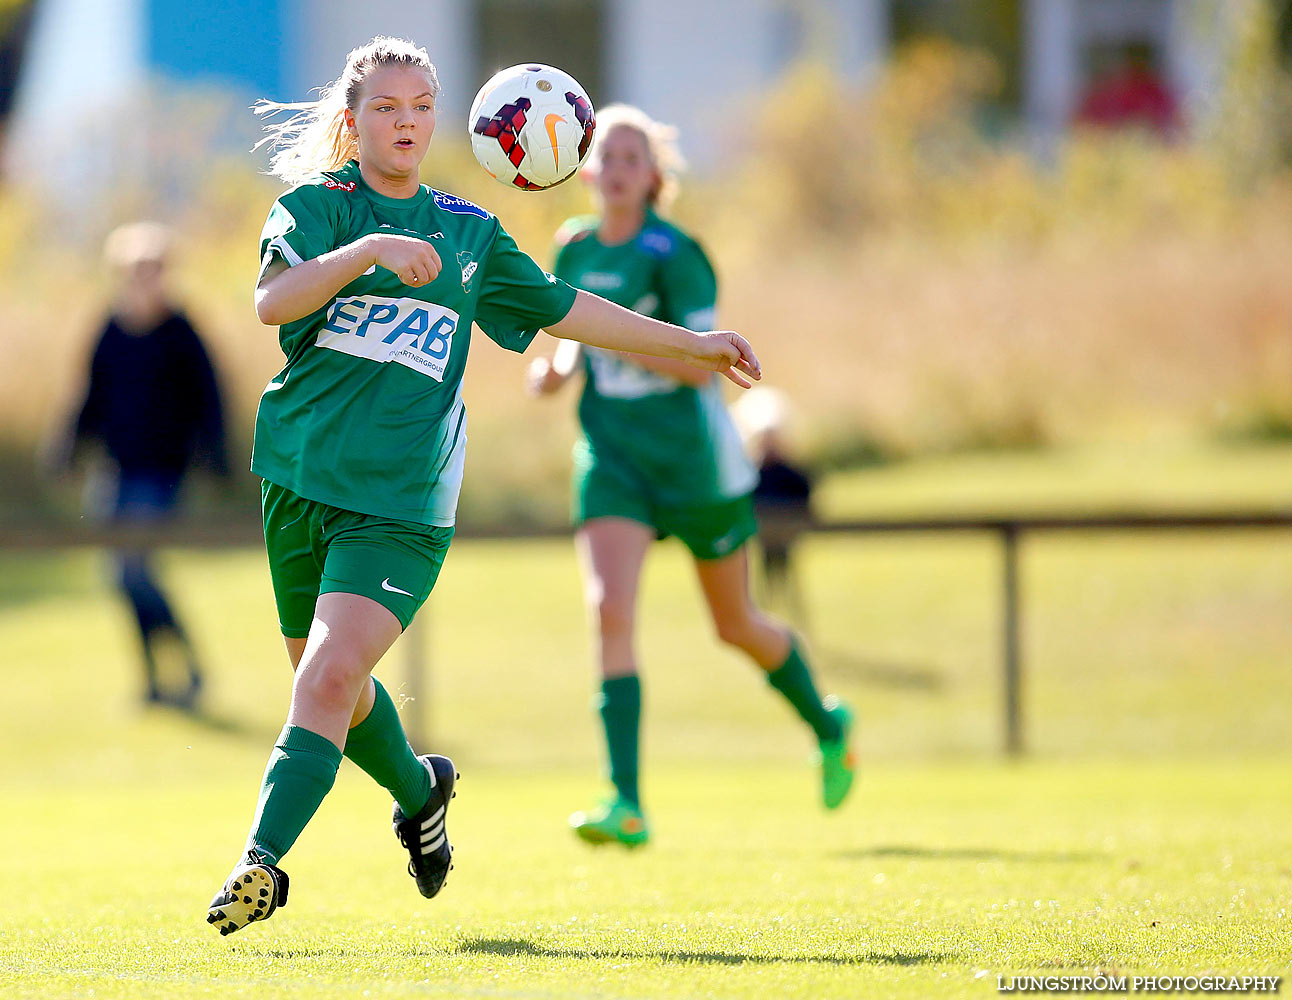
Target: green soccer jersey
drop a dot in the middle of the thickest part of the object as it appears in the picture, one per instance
(367, 413)
(677, 439)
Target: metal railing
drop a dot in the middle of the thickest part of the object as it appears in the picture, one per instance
(1010, 530)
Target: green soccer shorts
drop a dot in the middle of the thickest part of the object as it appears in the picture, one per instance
(613, 489)
(315, 548)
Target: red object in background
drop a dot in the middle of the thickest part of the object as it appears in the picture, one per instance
(1131, 96)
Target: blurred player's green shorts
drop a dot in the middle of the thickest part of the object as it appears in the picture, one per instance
(614, 489)
(315, 548)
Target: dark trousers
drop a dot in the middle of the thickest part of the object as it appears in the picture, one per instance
(144, 498)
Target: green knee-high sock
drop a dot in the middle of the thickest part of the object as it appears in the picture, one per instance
(793, 679)
(300, 773)
(620, 705)
(378, 745)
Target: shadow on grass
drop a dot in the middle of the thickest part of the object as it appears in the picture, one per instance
(968, 854)
(334, 951)
(882, 674)
(512, 947)
(219, 724)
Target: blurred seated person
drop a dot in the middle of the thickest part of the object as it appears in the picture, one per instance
(152, 407)
(1130, 93)
(783, 496)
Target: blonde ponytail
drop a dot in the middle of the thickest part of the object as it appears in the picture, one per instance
(315, 139)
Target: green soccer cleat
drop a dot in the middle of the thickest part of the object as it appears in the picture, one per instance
(615, 821)
(838, 762)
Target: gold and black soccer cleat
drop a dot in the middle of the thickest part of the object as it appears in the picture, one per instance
(253, 892)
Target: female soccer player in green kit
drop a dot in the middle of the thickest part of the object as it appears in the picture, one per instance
(375, 280)
(660, 456)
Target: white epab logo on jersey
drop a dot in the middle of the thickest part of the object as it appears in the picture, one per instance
(615, 377)
(601, 281)
(408, 332)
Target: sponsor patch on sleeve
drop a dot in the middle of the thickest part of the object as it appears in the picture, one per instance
(459, 206)
(656, 242)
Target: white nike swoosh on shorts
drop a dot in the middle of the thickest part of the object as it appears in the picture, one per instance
(385, 585)
(724, 543)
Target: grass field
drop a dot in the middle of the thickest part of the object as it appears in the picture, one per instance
(936, 878)
(1150, 830)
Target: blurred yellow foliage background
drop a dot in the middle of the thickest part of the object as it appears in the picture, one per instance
(915, 285)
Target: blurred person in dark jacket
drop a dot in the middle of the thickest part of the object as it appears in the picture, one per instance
(152, 404)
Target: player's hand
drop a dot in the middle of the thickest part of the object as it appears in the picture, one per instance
(729, 354)
(541, 378)
(413, 261)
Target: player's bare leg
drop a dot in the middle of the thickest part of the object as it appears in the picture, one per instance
(611, 551)
(296, 652)
(350, 633)
(740, 623)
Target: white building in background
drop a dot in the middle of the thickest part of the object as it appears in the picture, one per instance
(692, 62)
(96, 69)
(685, 61)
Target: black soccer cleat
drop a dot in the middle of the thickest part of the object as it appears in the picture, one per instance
(429, 852)
(253, 892)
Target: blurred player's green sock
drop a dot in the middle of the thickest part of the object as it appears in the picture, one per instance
(300, 773)
(620, 706)
(793, 679)
(378, 745)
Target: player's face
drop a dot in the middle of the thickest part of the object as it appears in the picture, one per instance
(624, 174)
(395, 119)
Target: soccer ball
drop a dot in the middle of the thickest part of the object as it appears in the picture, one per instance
(531, 126)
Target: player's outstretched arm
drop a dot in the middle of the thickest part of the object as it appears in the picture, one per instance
(285, 294)
(597, 322)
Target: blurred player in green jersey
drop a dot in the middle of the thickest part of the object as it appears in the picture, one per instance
(374, 280)
(660, 456)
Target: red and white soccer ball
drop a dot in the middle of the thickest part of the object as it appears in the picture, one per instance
(531, 126)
